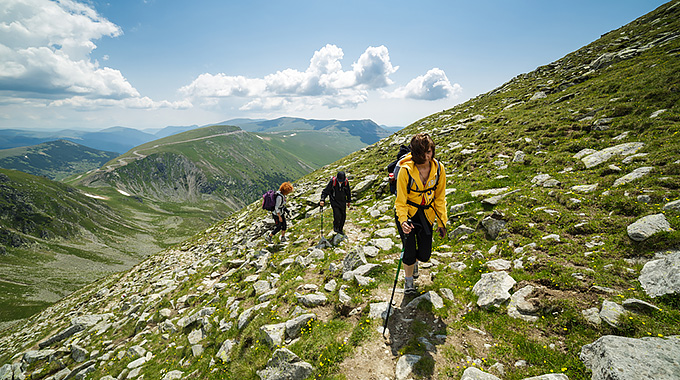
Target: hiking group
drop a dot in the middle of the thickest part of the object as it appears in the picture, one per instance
(419, 182)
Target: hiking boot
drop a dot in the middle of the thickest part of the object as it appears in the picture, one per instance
(268, 238)
(415, 270)
(410, 287)
(283, 239)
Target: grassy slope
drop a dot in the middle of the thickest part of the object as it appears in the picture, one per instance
(55, 160)
(550, 131)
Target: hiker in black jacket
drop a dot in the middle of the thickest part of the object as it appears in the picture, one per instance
(340, 195)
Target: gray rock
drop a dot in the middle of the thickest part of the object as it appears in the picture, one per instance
(285, 365)
(79, 354)
(461, 230)
(604, 155)
(378, 310)
(647, 226)
(474, 373)
(354, 259)
(499, 264)
(261, 287)
(592, 315)
(661, 277)
(584, 188)
(519, 157)
(639, 305)
(172, 375)
(674, 205)
(274, 334)
(6, 372)
(330, 286)
(32, 356)
(492, 289)
(498, 198)
(312, 300)
(244, 317)
(405, 365)
(294, 326)
(483, 193)
(225, 350)
(384, 244)
(632, 176)
(550, 376)
(520, 308)
(614, 357)
(493, 226)
(611, 313)
(63, 334)
(431, 296)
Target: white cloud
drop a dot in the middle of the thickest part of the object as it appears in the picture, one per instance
(434, 85)
(45, 49)
(323, 83)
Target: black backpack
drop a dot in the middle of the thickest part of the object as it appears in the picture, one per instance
(393, 168)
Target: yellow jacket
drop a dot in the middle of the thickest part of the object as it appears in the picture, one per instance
(436, 198)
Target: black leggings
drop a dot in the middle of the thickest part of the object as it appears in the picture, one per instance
(339, 217)
(417, 244)
(279, 226)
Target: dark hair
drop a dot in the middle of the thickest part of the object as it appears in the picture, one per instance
(421, 143)
(286, 188)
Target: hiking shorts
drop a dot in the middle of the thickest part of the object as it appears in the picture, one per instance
(417, 244)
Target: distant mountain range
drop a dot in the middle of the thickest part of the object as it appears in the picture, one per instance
(121, 139)
(368, 131)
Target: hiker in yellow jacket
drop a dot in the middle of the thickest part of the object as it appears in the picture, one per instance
(421, 200)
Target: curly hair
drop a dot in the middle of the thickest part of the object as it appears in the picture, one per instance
(286, 188)
(421, 143)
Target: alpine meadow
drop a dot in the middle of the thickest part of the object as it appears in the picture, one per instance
(561, 258)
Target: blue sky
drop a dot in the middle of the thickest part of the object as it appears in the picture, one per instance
(149, 64)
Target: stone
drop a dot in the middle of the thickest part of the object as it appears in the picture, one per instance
(225, 350)
(172, 375)
(405, 364)
(285, 365)
(353, 259)
(662, 276)
(493, 227)
(616, 357)
(632, 176)
(674, 205)
(474, 373)
(499, 264)
(518, 309)
(492, 289)
(584, 188)
(604, 155)
(592, 315)
(312, 300)
(647, 226)
(611, 312)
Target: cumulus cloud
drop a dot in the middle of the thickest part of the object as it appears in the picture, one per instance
(45, 53)
(434, 85)
(323, 83)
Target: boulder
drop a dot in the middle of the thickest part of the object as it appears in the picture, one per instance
(616, 357)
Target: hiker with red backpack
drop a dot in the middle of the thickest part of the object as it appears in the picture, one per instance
(278, 212)
(340, 194)
(420, 201)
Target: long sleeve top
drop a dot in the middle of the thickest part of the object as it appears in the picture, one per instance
(437, 197)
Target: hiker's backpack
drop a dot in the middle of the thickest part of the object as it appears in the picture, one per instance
(335, 182)
(269, 200)
(393, 168)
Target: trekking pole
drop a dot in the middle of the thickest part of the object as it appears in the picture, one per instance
(396, 279)
(321, 223)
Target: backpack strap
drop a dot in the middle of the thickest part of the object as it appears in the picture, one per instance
(411, 181)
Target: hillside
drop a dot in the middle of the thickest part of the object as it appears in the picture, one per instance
(560, 262)
(55, 159)
(219, 164)
(54, 239)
